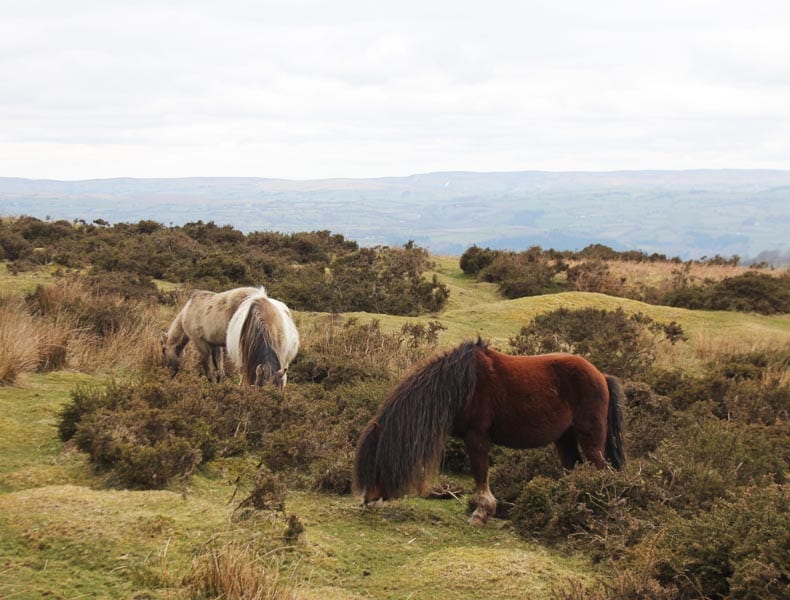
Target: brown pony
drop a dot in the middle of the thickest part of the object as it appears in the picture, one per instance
(204, 321)
(485, 397)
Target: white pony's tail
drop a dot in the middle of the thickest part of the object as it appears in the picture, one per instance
(233, 337)
(262, 340)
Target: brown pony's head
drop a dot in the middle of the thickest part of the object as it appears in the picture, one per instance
(366, 476)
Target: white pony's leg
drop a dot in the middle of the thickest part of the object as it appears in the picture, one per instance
(206, 360)
(218, 364)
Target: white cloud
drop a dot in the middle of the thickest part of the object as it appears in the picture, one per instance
(313, 89)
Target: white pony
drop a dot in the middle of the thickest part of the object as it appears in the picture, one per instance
(262, 340)
(204, 321)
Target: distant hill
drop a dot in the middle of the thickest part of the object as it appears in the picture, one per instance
(678, 213)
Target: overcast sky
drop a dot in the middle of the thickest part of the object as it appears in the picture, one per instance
(309, 89)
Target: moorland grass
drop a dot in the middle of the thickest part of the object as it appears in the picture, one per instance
(66, 532)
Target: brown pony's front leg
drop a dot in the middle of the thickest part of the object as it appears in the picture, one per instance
(477, 447)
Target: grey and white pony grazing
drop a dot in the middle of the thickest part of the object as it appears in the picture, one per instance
(204, 321)
(262, 340)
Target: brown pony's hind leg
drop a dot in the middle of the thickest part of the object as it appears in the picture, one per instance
(592, 443)
(477, 447)
(568, 449)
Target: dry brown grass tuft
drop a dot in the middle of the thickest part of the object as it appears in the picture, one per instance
(367, 344)
(641, 279)
(66, 325)
(709, 347)
(238, 571)
(19, 340)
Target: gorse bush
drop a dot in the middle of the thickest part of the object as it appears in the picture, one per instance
(527, 273)
(750, 388)
(707, 461)
(536, 271)
(738, 549)
(158, 428)
(601, 510)
(308, 271)
(613, 341)
(750, 292)
(155, 428)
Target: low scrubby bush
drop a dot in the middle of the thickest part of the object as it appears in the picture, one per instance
(155, 428)
(158, 428)
(601, 510)
(613, 341)
(738, 549)
(519, 274)
(749, 292)
(711, 460)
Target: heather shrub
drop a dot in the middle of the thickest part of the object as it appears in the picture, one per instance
(750, 387)
(321, 462)
(308, 270)
(749, 292)
(711, 460)
(613, 341)
(737, 549)
(604, 511)
(157, 428)
(512, 469)
(649, 419)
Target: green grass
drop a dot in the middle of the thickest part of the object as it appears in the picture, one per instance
(65, 533)
(476, 309)
(23, 282)
(30, 453)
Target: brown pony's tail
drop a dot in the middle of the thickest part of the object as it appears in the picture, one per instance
(615, 453)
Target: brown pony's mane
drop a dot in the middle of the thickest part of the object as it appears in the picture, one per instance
(419, 410)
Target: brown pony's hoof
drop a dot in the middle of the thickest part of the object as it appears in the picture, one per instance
(478, 519)
(373, 504)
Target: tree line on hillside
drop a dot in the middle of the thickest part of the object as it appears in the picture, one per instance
(536, 271)
(309, 271)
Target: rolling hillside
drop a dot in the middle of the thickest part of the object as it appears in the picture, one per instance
(678, 213)
(67, 530)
